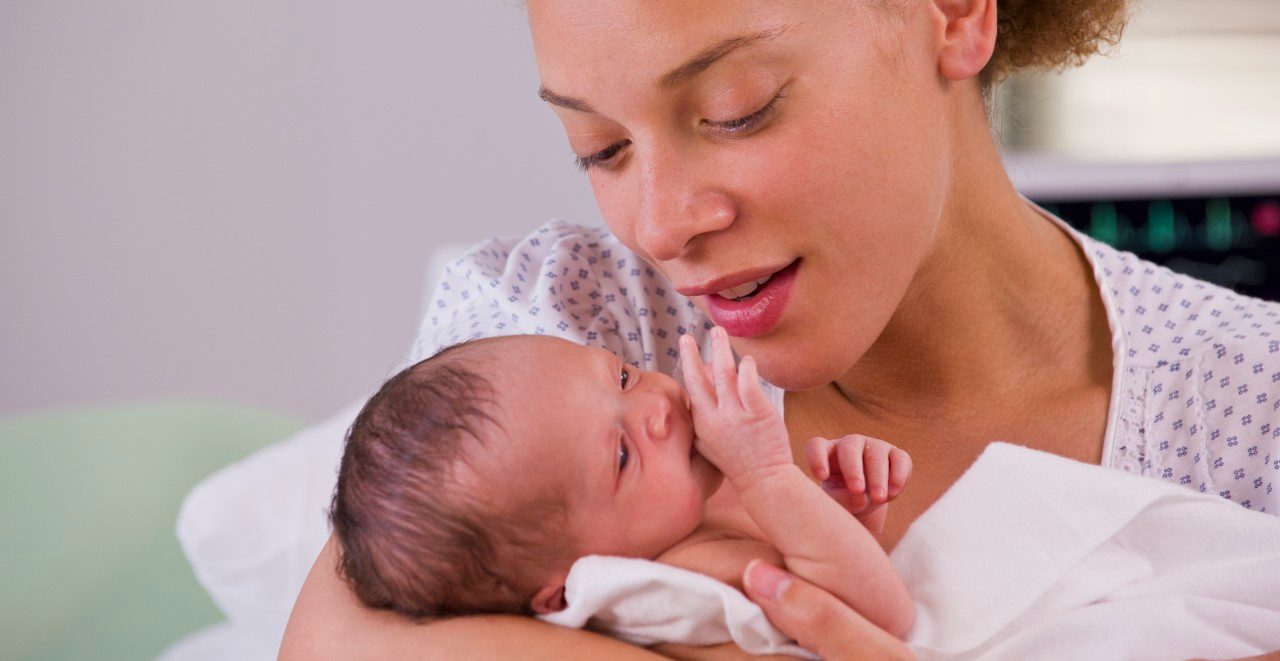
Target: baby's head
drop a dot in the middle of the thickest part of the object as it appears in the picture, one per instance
(472, 480)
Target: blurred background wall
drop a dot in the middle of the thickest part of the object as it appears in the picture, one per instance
(236, 200)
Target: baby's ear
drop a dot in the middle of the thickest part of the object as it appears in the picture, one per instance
(550, 597)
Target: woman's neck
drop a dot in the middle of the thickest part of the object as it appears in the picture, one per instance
(1002, 309)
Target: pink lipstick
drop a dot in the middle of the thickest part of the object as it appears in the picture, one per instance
(759, 311)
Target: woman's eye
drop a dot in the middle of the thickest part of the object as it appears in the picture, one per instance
(742, 124)
(625, 377)
(601, 157)
(623, 456)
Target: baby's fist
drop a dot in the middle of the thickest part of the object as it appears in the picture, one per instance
(858, 471)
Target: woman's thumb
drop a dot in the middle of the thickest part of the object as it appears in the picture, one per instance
(816, 619)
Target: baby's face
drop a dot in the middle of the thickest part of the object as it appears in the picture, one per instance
(617, 440)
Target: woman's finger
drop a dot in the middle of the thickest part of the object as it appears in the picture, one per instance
(815, 619)
(696, 383)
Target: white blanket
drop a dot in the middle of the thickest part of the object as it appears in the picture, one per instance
(1028, 555)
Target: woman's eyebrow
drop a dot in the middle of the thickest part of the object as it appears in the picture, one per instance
(677, 76)
(709, 56)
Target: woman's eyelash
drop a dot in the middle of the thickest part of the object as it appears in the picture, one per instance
(749, 120)
(585, 163)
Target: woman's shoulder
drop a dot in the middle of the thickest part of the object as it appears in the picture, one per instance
(1169, 318)
(563, 279)
(1204, 362)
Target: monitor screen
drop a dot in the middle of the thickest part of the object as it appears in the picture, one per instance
(1218, 222)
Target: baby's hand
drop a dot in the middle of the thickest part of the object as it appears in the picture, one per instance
(865, 473)
(737, 428)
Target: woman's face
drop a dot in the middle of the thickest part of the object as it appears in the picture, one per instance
(811, 135)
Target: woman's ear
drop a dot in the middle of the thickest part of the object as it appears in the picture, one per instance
(968, 36)
(550, 597)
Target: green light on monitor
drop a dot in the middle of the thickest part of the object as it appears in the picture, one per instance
(1218, 232)
(1102, 223)
(1161, 236)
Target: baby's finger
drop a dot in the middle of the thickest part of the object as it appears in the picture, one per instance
(724, 374)
(899, 471)
(749, 390)
(695, 376)
(849, 454)
(818, 452)
(873, 518)
(853, 503)
(876, 458)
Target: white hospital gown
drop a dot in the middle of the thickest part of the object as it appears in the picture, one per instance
(1196, 391)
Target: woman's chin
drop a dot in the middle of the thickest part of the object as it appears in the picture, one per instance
(791, 372)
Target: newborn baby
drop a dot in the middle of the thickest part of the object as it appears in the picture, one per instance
(472, 481)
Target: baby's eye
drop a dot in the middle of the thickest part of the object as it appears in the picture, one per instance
(623, 456)
(626, 376)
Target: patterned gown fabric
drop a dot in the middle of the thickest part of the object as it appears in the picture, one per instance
(1196, 388)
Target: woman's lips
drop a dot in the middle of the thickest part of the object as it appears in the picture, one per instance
(760, 313)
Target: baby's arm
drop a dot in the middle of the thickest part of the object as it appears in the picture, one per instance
(741, 432)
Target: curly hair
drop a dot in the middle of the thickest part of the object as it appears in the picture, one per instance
(1052, 34)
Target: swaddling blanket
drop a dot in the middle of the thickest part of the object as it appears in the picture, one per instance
(1028, 555)
(646, 603)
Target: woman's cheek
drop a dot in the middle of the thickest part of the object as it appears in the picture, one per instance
(618, 205)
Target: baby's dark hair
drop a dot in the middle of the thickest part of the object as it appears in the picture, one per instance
(412, 541)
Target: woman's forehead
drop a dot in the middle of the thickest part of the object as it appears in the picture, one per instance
(627, 50)
(574, 38)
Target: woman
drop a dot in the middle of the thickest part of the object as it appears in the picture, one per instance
(832, 161)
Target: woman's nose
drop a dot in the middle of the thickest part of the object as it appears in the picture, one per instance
(675, 208)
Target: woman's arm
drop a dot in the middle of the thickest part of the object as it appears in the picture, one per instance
(328, 622)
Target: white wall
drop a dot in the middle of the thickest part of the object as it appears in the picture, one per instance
(235, 200)
(1191, 80)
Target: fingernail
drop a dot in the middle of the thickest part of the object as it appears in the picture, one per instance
(877, 493)
(765, 580)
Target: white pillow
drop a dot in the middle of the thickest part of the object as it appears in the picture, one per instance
(252, 530)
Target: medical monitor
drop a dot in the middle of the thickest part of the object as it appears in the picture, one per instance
(1217, 221)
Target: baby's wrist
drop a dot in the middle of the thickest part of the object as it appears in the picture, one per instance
(759, 477)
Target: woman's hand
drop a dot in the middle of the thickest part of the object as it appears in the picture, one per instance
(815, 619)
